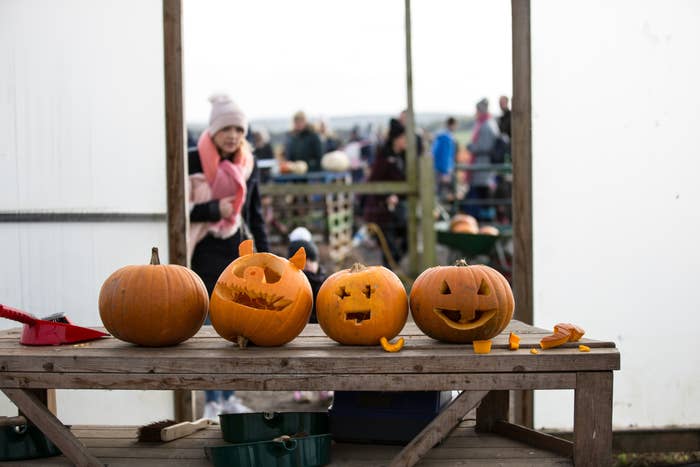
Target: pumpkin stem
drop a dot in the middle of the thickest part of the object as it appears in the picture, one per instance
(242, 342)
(155, 260)
(461, 262)
(357, 267)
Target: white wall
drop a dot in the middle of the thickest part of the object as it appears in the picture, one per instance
(81, 130)
(615, 163)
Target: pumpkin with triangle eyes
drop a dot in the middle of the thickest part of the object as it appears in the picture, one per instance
(261, 298)
(461, 303)
(360, 305)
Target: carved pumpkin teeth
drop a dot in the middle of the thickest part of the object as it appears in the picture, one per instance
(358, 316)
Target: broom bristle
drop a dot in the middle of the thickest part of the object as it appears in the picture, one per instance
(151, 433)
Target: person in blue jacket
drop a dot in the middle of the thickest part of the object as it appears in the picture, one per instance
(444, 150)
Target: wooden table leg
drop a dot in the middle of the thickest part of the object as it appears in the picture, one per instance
(593, 419)
(33, 408)
(493, 408)
(438, 429)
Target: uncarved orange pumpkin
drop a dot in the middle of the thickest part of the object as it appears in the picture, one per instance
(360, 305)
(464, 223)
(261, 297)
(461, 303)
(153, 305)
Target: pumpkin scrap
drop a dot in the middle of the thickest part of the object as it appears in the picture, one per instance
(482, 346)
(513, 341)
(575, 332)
(584, 348)
(389, 347)
(534, 351)
(555, 340)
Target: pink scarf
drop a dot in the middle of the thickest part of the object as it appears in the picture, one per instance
(221, 178)
(480, 120)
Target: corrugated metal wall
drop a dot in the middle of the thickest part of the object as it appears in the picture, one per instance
(81, 131)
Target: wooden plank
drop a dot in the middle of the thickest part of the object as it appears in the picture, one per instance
(534, 438)
(427, 183)
(493, 408)
(593, 418)
(438, 429)
(52, 427)
(357, 361)
(411, 151)
(521, 150)
(311, 382)
(297, 189)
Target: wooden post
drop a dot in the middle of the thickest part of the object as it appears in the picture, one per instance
(521, 144)
(593, 418)
(427, 196)
(176, 161)
(411, 158)
(493, 408)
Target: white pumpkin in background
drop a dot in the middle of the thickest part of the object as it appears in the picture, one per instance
(335, 161)
(300, 167)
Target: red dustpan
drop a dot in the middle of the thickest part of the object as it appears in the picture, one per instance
(54, 330)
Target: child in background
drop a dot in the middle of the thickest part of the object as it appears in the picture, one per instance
(301, 237)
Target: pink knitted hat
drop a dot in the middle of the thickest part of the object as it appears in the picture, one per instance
(225, 112)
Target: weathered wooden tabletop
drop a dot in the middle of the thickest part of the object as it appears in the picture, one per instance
(311, 361)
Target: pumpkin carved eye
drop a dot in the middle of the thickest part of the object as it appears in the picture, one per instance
(367, 291)
(444, 288)
(484, 288)
(342, 293)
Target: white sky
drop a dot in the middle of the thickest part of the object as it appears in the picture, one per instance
(339, 58)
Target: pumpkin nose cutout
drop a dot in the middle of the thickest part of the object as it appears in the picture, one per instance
(255, 274)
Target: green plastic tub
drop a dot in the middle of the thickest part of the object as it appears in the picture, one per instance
(264, 426)
(25, 442)
(306, 451)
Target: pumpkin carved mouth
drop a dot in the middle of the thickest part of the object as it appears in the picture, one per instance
(358, 316)
(456, 319)
(257, 299)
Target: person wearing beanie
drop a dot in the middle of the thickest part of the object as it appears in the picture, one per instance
(313, 270)
(225, 209)
(389, 212)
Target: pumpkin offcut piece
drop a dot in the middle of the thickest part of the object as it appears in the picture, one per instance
(153, 305)
(534, 351)
(513, 341)
(584, 348)
(461, 303)
(555, 340)
(482, 346)
(575, 332)
(395, 347)
(360, 305)
(261, 298)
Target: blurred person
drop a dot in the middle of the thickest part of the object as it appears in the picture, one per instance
(303, 143)
(301, 237)
(444, 150)
(403, 117)
(389, 212)
(329, 141)
(504, 119)
(262, 149)
(224, 207)
(484, 139)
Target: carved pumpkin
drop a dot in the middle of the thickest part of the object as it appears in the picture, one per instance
(261, 297)
(464, 223)
(461, 303)
(359, 306)
(153, 305)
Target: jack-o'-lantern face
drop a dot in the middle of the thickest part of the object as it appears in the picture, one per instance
(359, 306)
(262, 297)
(461, 303)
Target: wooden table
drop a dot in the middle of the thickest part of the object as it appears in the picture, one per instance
(314, 362)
